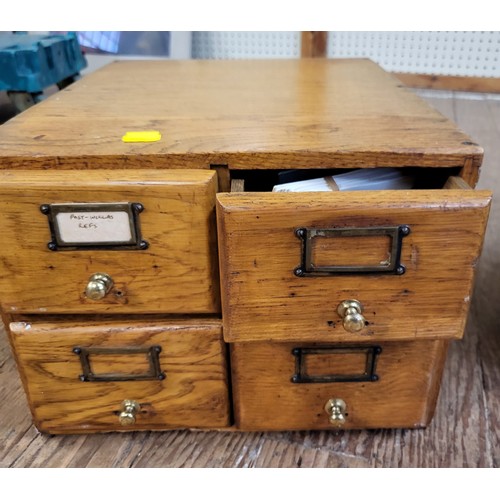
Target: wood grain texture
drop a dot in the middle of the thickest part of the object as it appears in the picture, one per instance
(469, 173)
(483, 119)
(177, 273)
(223, 177)
(262, 299)
(404, 395)
(455, 182)
(237, 186)
(458, 436)
(450, 82)
(463, 433)
(313, 43)
(193, 394)
(307, 113)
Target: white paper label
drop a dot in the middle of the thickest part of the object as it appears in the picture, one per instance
(94, 227)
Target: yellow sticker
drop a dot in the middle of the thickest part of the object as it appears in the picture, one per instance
(142, 136)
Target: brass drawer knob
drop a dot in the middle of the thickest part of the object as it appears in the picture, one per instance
(129, 411)
(350, 311)
(337, 411)
(98, 286)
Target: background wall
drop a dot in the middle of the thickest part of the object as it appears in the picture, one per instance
(455, 53)
(458, 53)
(245, 44)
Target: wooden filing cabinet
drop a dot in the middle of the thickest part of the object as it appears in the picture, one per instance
(164, 285)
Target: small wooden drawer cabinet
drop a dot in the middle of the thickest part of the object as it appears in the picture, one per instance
(159, 285)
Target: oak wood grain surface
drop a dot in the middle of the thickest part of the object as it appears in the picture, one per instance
(176, 273)
(262, 299)
(450, 82)
(404, 395)
(193, 390)
(247, 114)
(465, 431)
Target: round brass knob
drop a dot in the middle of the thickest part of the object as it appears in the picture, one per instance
(98, 286)
(337, 411)
(350, 311)
(129, 411)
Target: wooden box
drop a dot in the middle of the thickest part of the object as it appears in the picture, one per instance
(127, 270)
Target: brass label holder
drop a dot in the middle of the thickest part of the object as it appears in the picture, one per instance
(392, 266)
(88, 216)
(152, 354)
(366, 374)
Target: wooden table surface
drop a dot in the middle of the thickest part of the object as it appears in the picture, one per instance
(465, 431)
(245, 113)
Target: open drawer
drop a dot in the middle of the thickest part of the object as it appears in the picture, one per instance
(340, 266)
(108, 241)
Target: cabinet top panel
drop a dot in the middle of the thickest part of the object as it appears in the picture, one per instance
(248, 114)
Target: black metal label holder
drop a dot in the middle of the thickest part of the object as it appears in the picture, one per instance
(366, 374)
(58, 243)
(152, 354)
(307, 268)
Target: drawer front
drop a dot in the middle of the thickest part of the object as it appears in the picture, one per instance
(289, 261)
(287, 386)
(82, 377)
(151, 232)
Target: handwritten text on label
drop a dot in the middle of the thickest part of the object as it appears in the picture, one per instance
(94, 227)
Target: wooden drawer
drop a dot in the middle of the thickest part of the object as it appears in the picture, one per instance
(288, 260)
(78, 374)
(290, 386)
(161, 258)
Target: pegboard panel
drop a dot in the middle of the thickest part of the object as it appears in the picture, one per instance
(458, 53)
(245, 44)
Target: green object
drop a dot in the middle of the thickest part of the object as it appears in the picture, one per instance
(31, 63)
